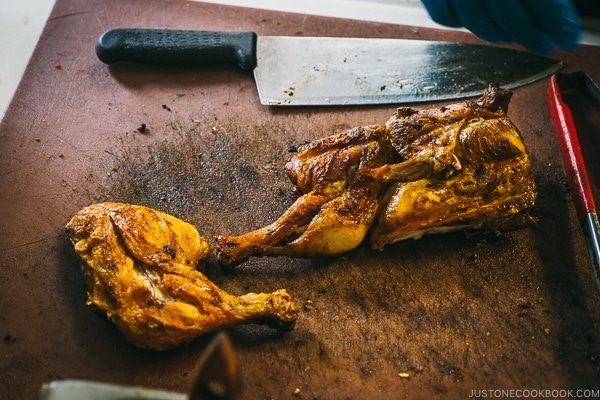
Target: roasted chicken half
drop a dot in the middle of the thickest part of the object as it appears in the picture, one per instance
(459, 167)
(140, 266)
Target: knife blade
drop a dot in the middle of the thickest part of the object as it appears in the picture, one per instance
(296, 70)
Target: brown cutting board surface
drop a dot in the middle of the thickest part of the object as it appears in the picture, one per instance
(456, 313)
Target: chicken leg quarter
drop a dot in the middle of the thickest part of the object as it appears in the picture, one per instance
(338, 204)
(140, 267)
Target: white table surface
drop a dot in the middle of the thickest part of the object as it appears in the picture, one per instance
(22, 22)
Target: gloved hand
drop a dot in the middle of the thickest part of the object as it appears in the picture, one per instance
(537, 25)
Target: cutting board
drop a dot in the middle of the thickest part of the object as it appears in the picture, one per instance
(451, 313)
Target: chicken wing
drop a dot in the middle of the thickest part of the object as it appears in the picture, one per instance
(140, 268)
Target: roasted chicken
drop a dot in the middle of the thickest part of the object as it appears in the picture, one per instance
(459, 167)
(140, 267)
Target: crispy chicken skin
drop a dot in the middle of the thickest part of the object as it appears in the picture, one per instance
(140, 266)
(463, 166)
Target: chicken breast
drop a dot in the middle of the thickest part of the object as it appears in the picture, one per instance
(464, 167)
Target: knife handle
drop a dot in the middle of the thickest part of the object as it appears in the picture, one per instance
(177, 47)
(570, 149)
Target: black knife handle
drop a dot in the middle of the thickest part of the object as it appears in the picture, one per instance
(177, 47)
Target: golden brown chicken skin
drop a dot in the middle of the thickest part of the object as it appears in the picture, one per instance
(140, 267)
(463, 166)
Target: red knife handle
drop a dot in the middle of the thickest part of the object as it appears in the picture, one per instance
(566, 132)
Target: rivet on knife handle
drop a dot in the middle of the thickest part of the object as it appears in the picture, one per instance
(177, 47)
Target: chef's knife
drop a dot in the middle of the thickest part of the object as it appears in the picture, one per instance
(336, 71)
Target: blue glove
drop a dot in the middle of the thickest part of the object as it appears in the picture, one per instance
(537, 25)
